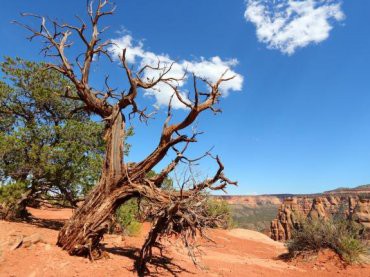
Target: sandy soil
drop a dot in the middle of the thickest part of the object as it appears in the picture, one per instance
(238, 252)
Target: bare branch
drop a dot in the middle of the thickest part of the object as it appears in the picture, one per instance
(56, 40)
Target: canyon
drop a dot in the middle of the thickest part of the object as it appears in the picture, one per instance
(278, 214)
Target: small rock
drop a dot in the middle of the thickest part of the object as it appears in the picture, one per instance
(16, 242)
(33, 239)
(47, 247)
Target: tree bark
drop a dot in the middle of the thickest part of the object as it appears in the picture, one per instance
(82, 233)
(146, 250)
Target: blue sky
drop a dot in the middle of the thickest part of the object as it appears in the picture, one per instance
(300, 123)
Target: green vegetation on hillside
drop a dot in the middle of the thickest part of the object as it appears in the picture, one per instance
(221, 210)
(257, 218)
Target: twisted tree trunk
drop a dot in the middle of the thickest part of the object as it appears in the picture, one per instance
(82, 233)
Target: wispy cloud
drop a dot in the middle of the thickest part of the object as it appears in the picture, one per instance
(210, 69)
(290, 24)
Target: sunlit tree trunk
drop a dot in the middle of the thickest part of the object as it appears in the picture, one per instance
(89, 222)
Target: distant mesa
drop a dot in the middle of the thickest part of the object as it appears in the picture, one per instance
(359, 189)
(277, 199)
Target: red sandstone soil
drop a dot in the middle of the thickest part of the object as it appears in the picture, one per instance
(237, 253)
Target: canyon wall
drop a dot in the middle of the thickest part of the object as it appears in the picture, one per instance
(294, 209)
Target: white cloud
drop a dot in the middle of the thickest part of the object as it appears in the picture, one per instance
(290, 24)
(211, 70)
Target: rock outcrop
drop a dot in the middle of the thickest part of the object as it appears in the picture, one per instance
(294, 209)
(318, 207)
(287, 220)
(361, 214)
(251, 201)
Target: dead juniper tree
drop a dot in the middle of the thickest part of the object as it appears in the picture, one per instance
(173, 212)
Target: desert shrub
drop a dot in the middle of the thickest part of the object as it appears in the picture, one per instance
(338, 234)
(10, 195)
(221, 211)
(127, 217)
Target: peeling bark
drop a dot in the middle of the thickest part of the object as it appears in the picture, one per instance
(82, 233)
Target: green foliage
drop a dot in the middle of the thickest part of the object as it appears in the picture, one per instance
(340, 235)
(9, 194)
(167, 183)
(127, 217)
(220, 210)
(9, 197)
(47, 140)
(254, 218)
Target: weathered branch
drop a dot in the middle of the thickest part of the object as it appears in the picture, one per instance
(182, 214)
(58, 39)
(167, 140)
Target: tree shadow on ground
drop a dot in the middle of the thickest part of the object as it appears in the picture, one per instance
(156, 265)
(46, 223)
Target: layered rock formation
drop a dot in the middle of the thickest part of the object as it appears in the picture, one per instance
(287, 220)
(294, 209)
(361, 214)
(251, 201)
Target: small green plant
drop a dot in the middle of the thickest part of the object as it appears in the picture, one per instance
(340, 235)
(127, 217)
(220, 210)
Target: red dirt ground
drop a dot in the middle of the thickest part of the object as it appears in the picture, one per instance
(238, 252)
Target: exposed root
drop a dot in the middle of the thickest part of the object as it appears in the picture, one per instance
(183, 215)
